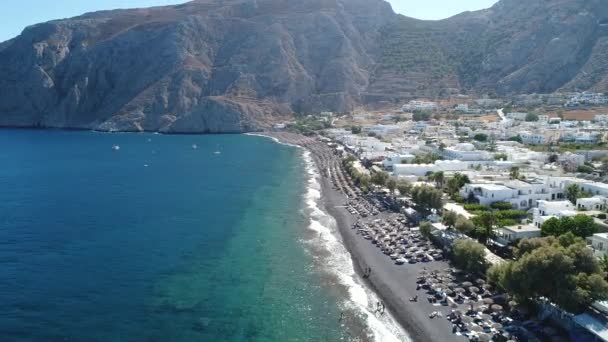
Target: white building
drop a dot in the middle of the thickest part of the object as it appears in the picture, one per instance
(601, 118)
(419, 105)
(547, 210)
(462, 107)
(506, 235)
(422, 169)
(466, 152)
(517, 116)
(532, 138)
(592, 203)
(487, 194)
(599, 244)
(522, 195)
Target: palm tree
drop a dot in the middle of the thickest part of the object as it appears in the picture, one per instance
(439, 178)
(573, 192)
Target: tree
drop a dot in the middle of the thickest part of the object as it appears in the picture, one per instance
(439, 178)
(491, 143)
(455, 183)
(604, 263)
(421, 115)
(404, 187)
(449, 218)
(469, 255)
(553, 158)
(355, 129)
(464, 225)
(531, 117)
(580, 225)
(481, 137)
(585, 169)
(425, 229)
(516, 138)
(427, 198)
(380, 178)
(514, 173)
(442, 147)
(563, 270)
(391, 184)
(551, 227)
(583, 226)
(573, 192)
(500, 156)
(485, 222)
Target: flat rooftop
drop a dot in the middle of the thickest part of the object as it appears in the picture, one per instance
(522, 228)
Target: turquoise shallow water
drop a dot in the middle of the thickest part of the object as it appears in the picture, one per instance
(157, 241)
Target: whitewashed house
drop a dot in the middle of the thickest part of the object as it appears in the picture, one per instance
(599, 244)
(592, 203)
(506, 235)
(547, 210)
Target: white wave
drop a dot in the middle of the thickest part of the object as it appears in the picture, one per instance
(361, 298)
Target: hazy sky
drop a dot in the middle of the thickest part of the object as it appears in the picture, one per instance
(17, 14)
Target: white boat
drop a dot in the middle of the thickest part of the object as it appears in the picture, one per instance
(194, 146)
(116, 147)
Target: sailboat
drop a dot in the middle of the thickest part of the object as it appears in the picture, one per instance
(217, 150)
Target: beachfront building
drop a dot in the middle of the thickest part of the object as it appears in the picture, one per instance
(509, 235)
(548, 209)
(420, 170)
(521, 194)
(599, 244)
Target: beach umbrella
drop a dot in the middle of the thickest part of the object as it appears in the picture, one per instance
(476, 328)
(467, 319)
(480, 281)
(488, 301)
(484, 337)
(496, 308)
(473, 289)
(467, 284)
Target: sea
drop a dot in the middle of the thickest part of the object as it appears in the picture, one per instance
(149, 237)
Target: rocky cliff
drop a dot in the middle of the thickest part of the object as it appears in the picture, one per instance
(237, 65)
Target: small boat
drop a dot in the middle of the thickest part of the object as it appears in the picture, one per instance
(194, 146)
(116, 147)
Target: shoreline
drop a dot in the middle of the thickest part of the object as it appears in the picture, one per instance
(393, 284)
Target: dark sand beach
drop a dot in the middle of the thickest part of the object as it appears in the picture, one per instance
(394, 284)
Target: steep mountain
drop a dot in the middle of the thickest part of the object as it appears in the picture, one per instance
(237, 65)
(205, 66)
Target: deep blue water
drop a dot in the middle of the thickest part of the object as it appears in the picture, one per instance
(156, 241)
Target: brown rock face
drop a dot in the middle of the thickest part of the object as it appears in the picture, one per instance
(205, 66)
(236, 65)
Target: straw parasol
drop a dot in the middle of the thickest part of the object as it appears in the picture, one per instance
(474, 289)
(459, 290)
(488, 301)
(467, 319)
(452, 285)
(484, 337)
(476, 328)
(496, 308)
(486, 317)
(497, 326)
(480, 281)
(467, 284)
(486, 286)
